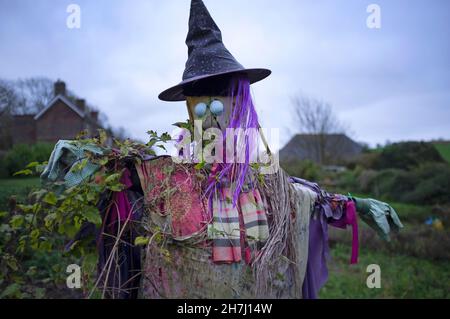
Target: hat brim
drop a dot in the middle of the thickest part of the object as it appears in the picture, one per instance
(175, 93)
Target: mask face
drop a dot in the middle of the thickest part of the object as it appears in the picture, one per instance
(213, 111)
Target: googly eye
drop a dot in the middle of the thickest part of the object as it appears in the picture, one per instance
(200, 109)
(216, 107)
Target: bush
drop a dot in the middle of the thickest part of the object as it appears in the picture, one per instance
(365, 160)
(347, 178)
(428, 183)
(21, 155)
(407, 155)
(433, 185)
(305, 169)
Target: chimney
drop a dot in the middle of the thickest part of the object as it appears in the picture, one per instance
(94, 115)
(60, 88)
(81, 104)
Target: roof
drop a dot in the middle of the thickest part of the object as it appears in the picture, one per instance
(63, 99)
(306, 146)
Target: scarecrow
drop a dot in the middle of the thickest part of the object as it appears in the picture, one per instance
(222, 228)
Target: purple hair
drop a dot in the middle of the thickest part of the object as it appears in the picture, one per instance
(243, 116)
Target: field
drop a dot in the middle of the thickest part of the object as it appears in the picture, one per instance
(16, 186)
(401, 276)
(443, 149)
(413, 265)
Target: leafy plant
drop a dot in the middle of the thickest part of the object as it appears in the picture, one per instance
(21, 154)
(33, 232)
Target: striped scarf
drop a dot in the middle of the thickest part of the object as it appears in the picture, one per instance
(238, 231)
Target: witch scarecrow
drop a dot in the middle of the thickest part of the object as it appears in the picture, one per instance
(220, 228)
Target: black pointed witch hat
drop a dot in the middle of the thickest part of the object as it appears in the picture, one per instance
(207, 55)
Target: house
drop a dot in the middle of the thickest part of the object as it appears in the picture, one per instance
(320, 148)
(62, 118)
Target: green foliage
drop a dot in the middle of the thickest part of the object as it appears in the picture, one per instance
(141, 241)
(348, 180)
(304, 169)
(413, 214)
(33, 232)
(365, 160)
(16, 189)
(433, 185)
(401, 276)
(156, 140)
(413, 265)
(187, 125)
(425, 184)
(407, 155)
(428, 183)
(30, 264)
(21, 155)
(38, 228)
(444, 149)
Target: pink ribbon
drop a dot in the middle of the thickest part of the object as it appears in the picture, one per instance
(352, 220)
(349, 218)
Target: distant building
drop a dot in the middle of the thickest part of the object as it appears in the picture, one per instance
(323, 149)
(60, 119)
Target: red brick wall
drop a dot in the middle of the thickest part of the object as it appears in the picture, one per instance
(23, 129)
(59, 122)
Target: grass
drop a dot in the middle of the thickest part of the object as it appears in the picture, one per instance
(444, 150)
(413, 265)
(19, 187)
(401, 276)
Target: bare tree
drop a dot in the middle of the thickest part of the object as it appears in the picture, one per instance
(31, 95)
(19, 97)
(34, 94)
(317, 122)
(25, 96)
(316, 117)
(119, 133)
(102, 119)
(8, 97)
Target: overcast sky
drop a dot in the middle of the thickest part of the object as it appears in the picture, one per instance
(390, 83)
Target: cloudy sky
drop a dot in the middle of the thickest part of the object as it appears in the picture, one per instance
(390, 83)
